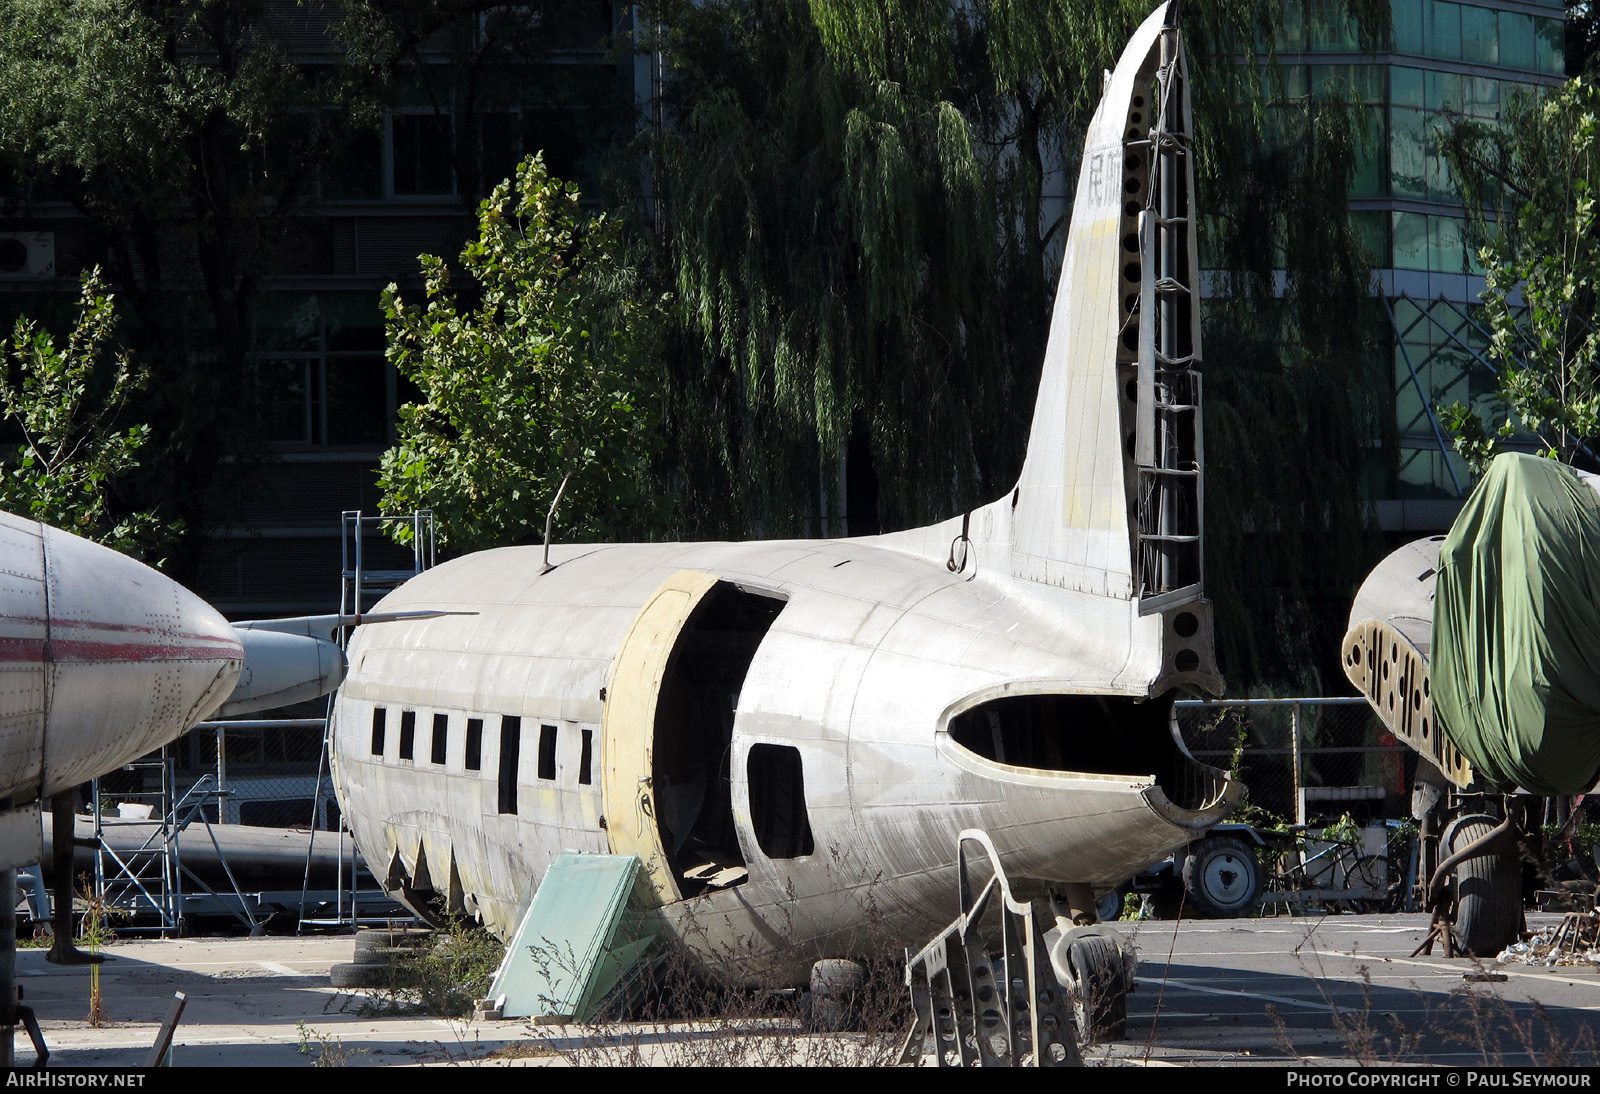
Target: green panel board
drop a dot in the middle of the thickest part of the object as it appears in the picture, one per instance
(575, 942)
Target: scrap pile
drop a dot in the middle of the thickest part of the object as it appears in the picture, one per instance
(1570, 942)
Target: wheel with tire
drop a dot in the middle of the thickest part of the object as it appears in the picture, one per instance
(416, 936)
(1488, 892)
(1221, 879)
(384, 955)
(1369, 874)
(352, 975)
(1100, 1005)
(1108, 908)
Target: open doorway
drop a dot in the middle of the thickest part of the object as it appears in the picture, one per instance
(694, 735)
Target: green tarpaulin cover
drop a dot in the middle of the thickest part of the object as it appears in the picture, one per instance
(1515, 664)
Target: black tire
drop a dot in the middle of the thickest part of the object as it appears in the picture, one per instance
(1101, 1002)
(399, 937)
(835, 994)
(1221, 879)
(384, 955)
(1488, 893)
(360, 976)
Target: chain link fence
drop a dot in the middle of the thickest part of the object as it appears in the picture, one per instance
(260, 772)
(1303, 758)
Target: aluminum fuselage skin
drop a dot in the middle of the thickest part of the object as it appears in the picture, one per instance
(872, 655)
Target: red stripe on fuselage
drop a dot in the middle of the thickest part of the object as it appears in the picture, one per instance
(70, 651)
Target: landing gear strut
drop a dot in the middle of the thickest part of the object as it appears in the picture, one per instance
(1475, 892)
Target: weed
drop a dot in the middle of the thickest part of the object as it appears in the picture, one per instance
(691, 1004)
(441, 979)
(1499, 1032)
(327, 1050)
(95, 931)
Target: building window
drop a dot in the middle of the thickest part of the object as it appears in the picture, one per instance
(474, 744)
(422, 152)
(319, 373)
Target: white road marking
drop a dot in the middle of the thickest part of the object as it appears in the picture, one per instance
(1191, 985)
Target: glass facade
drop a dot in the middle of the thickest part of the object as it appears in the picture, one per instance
(1443, 60)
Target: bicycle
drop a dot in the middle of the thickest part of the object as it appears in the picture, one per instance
(1325, 865)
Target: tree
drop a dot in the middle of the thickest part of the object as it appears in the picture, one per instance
(1531, 186)
(551, 370)
(851, 215)
(64, 402)
(197, 140)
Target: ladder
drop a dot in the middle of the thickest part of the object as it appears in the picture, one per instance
(359, 583)
(1167, 437)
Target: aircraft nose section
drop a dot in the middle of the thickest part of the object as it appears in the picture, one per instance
(132, 658)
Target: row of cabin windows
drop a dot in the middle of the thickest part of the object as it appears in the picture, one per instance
(510, 748)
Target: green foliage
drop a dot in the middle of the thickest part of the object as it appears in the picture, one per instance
(551, 370)
(853, 221)
(200, 123)
(1293, 402)
(64, 402)
(457, 969)
(1540, 172)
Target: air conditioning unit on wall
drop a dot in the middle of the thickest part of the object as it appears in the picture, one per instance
(26, 256)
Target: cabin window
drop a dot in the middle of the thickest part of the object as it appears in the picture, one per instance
(474, 744)
(510, 747)
(547, 752)
(585, 760)
(380, 717)
(778, 802)
(408, 733)
(441, 737)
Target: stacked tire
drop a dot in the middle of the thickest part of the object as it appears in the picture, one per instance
(381, 959)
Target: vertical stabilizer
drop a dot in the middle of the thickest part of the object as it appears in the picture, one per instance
(1109, 499)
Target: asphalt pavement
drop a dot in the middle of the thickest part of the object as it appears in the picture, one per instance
(1336, 990)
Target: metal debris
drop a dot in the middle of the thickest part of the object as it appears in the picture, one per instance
(1570, 942)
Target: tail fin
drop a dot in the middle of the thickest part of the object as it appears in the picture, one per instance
(1109, 502)
(1110, 495)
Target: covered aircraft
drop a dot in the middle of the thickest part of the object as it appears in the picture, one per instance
(1481, 650)
(790, 733)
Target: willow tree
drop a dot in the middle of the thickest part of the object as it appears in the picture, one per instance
(851, 206)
